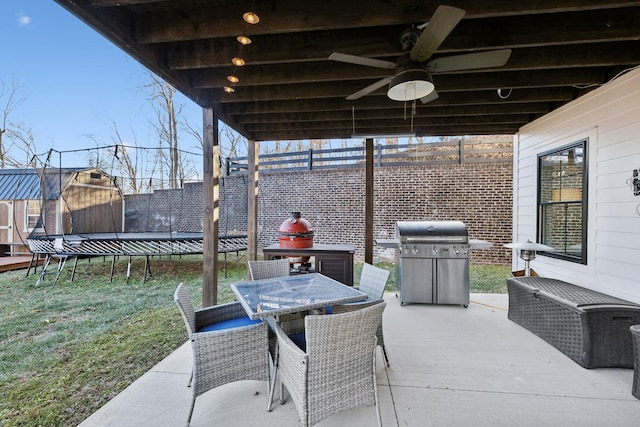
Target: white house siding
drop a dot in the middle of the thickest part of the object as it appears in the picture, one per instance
(610, 117)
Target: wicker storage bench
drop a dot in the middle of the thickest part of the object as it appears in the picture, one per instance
(590, 327)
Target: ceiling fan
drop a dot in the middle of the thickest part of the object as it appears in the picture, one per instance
(412, 74)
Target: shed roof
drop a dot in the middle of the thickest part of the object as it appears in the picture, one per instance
(19, 184)
(25, 184)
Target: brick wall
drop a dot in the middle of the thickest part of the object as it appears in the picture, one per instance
(479, 194)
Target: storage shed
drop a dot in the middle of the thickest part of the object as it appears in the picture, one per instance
(56, 201)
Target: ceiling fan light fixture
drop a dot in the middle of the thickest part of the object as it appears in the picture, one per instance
(243, 40)
(251, 17)
(410, 84)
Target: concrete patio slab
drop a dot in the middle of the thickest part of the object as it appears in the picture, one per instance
(450, 366)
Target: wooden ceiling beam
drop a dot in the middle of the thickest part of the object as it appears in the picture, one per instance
(396, 113)
(347, 133)
(285, 16)
(121, 3)
(270, 49)
(416, 122)
(443, 83)
(583, 28)
(539, 58)
(292, 16)
(382, 102)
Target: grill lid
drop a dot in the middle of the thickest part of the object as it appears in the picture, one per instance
(432, 232)
(296, 226)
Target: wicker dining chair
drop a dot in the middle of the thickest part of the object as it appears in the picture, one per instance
(268, 269)
(635, 340)
(227, 345)
(336, 369)
(373, 281)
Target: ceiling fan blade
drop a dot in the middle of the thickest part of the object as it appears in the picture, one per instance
(361, 60)
(470, 61)
(367, 90)
(428, 98)
(444, 19)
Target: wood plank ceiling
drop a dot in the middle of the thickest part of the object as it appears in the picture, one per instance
(288, 88)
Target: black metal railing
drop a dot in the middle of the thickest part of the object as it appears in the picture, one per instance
(450, 152)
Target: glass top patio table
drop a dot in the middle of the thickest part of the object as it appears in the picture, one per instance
(283, 295)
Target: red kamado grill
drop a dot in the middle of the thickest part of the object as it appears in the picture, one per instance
(296, 233)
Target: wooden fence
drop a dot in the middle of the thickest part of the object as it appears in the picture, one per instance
(438, 153)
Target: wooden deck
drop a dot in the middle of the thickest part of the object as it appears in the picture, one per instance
(16, 262)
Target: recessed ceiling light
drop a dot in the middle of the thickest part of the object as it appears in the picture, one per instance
(229, 89)
(237, 61)
(243, 40)
(250, 17)
(233, 79)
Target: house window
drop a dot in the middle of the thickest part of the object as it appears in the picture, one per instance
(32, 215)
(562, 202)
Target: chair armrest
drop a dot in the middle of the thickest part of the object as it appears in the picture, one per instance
(351, 306)
(219, 313)
(292, 369)
(225, 337)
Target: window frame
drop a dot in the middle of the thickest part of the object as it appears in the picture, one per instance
(541, 205)
(27, 216)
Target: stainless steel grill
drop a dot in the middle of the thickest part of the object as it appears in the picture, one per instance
(433, 262)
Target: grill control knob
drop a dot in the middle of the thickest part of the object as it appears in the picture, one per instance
(434, 250)
(414, 250)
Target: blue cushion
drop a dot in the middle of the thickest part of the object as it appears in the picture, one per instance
(300, 340)
(229, 324)
(328, 310)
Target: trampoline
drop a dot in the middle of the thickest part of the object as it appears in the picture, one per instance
(72, 246)
(80, 211)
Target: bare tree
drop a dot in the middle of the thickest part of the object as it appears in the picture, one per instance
(166, 126)
(128, 166)
(16, 140)
(94, 158)
(232, 144)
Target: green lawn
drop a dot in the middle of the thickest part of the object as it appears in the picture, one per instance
(67, 350)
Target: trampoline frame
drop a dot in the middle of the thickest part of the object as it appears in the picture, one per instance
(68, 246)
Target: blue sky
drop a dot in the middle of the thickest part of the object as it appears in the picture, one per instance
(73, 81)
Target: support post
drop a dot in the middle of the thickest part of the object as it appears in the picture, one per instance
(253, 163)
(211, 195)
(368, 227)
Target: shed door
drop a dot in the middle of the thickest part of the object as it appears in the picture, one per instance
(6, 221)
